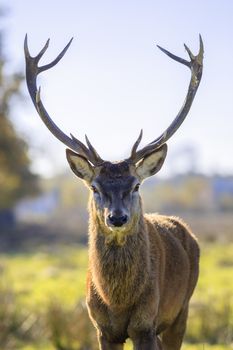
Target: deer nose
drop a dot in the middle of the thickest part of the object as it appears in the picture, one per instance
(117, 221)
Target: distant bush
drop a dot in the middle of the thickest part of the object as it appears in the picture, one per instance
(66, 329)
(70, 329)
(211, 321)
(17, 326)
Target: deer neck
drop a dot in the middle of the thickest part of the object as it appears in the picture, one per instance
(118, 269)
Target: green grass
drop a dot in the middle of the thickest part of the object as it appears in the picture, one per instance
(211, 311)
(216, 270)
(41, 277)
(59, 275)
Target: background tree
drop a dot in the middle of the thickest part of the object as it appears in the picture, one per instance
(16, 178)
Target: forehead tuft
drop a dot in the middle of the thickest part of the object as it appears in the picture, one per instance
(115, 170)
(115, 177)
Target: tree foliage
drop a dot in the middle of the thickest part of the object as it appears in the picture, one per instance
(16, 178)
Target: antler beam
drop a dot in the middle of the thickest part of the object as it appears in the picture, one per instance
(32, 71)
(195, 65)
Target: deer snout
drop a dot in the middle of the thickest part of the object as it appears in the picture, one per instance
(117, 220)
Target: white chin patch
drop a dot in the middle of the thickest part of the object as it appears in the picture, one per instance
(117, 229)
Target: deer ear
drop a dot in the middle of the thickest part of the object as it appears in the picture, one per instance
(80, 166)
(152, 163)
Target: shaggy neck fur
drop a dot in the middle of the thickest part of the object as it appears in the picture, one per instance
(118, 269)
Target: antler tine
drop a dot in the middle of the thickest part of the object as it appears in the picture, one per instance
(32, 71)
(174, 57)
(26, 50)
(57, 59)
(136, 144)
(98, 159)
(196, 65)
(201, 50)
(40, 54)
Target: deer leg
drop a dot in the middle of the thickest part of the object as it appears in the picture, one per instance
(104, 344)
(142, 326)
(145, 340)
(173, 336)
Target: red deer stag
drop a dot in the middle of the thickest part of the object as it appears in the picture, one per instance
(143, 268)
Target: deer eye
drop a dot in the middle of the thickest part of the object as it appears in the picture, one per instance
(136, 188)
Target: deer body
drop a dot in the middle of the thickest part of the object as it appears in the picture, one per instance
(137, 289)
(142, 268)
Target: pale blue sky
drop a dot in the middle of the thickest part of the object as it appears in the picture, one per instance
(114, 81)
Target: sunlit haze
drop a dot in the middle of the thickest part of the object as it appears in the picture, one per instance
(113, 80)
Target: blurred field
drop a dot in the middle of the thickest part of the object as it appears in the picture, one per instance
(42, 300)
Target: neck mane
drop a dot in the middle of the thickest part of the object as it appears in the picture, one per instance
(118, 269)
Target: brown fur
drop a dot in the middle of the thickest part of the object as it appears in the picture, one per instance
(144, 286)
(141, 275)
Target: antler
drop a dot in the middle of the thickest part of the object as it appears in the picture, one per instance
(32, 71)
(195, 64)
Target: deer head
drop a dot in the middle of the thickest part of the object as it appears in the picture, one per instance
(114, 186)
